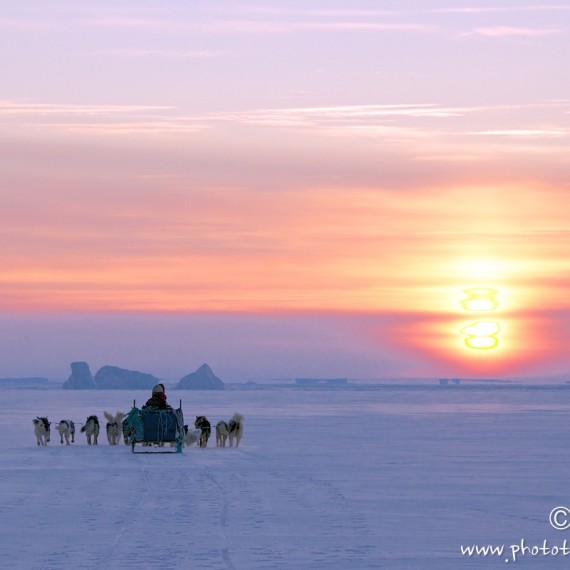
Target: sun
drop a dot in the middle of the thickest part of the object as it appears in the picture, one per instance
(477, 269)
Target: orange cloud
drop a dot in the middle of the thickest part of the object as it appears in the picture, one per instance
(313, 249)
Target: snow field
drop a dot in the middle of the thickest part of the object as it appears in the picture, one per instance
(339, 479)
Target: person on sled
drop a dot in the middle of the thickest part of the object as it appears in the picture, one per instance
(158, 399)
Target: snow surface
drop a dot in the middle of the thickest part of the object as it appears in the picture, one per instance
(327, 478)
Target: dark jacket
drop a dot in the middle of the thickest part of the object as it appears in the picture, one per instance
(156, 401)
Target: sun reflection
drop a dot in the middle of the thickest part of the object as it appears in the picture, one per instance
(481, 335)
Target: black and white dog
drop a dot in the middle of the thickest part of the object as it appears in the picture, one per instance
(235, 429)
(42, 430)
(91, 429)
(113, 430)
(205, 427)
(66, 428)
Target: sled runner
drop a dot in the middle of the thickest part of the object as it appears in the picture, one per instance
(151, 426)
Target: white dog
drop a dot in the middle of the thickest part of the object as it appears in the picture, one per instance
(222, 433)
(192, 436)
(235, 429)
(66, 428)
(41, 430)
(91, 429)
(114, 427)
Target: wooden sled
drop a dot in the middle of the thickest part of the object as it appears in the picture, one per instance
(154, 427)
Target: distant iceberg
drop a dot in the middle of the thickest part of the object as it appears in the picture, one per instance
(80, 378)
(115, 378)
(108, 378)
(201, 379)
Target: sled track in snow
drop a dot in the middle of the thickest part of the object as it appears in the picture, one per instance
(324, 503)
(333, 493)
(224, 550)
(130, 515)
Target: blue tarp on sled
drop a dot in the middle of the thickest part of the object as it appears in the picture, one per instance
(151, 426)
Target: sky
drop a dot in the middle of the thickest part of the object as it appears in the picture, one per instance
(285, 189)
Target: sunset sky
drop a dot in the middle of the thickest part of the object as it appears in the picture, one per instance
(285, 188)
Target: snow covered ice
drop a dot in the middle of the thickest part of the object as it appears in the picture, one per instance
(388, 478)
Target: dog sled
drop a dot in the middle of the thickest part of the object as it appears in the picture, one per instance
(153, 427)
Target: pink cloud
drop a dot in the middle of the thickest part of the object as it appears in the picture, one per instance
(255, 26)
(163, 53)
(508, 31)
(499, 9)
(23, 108)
